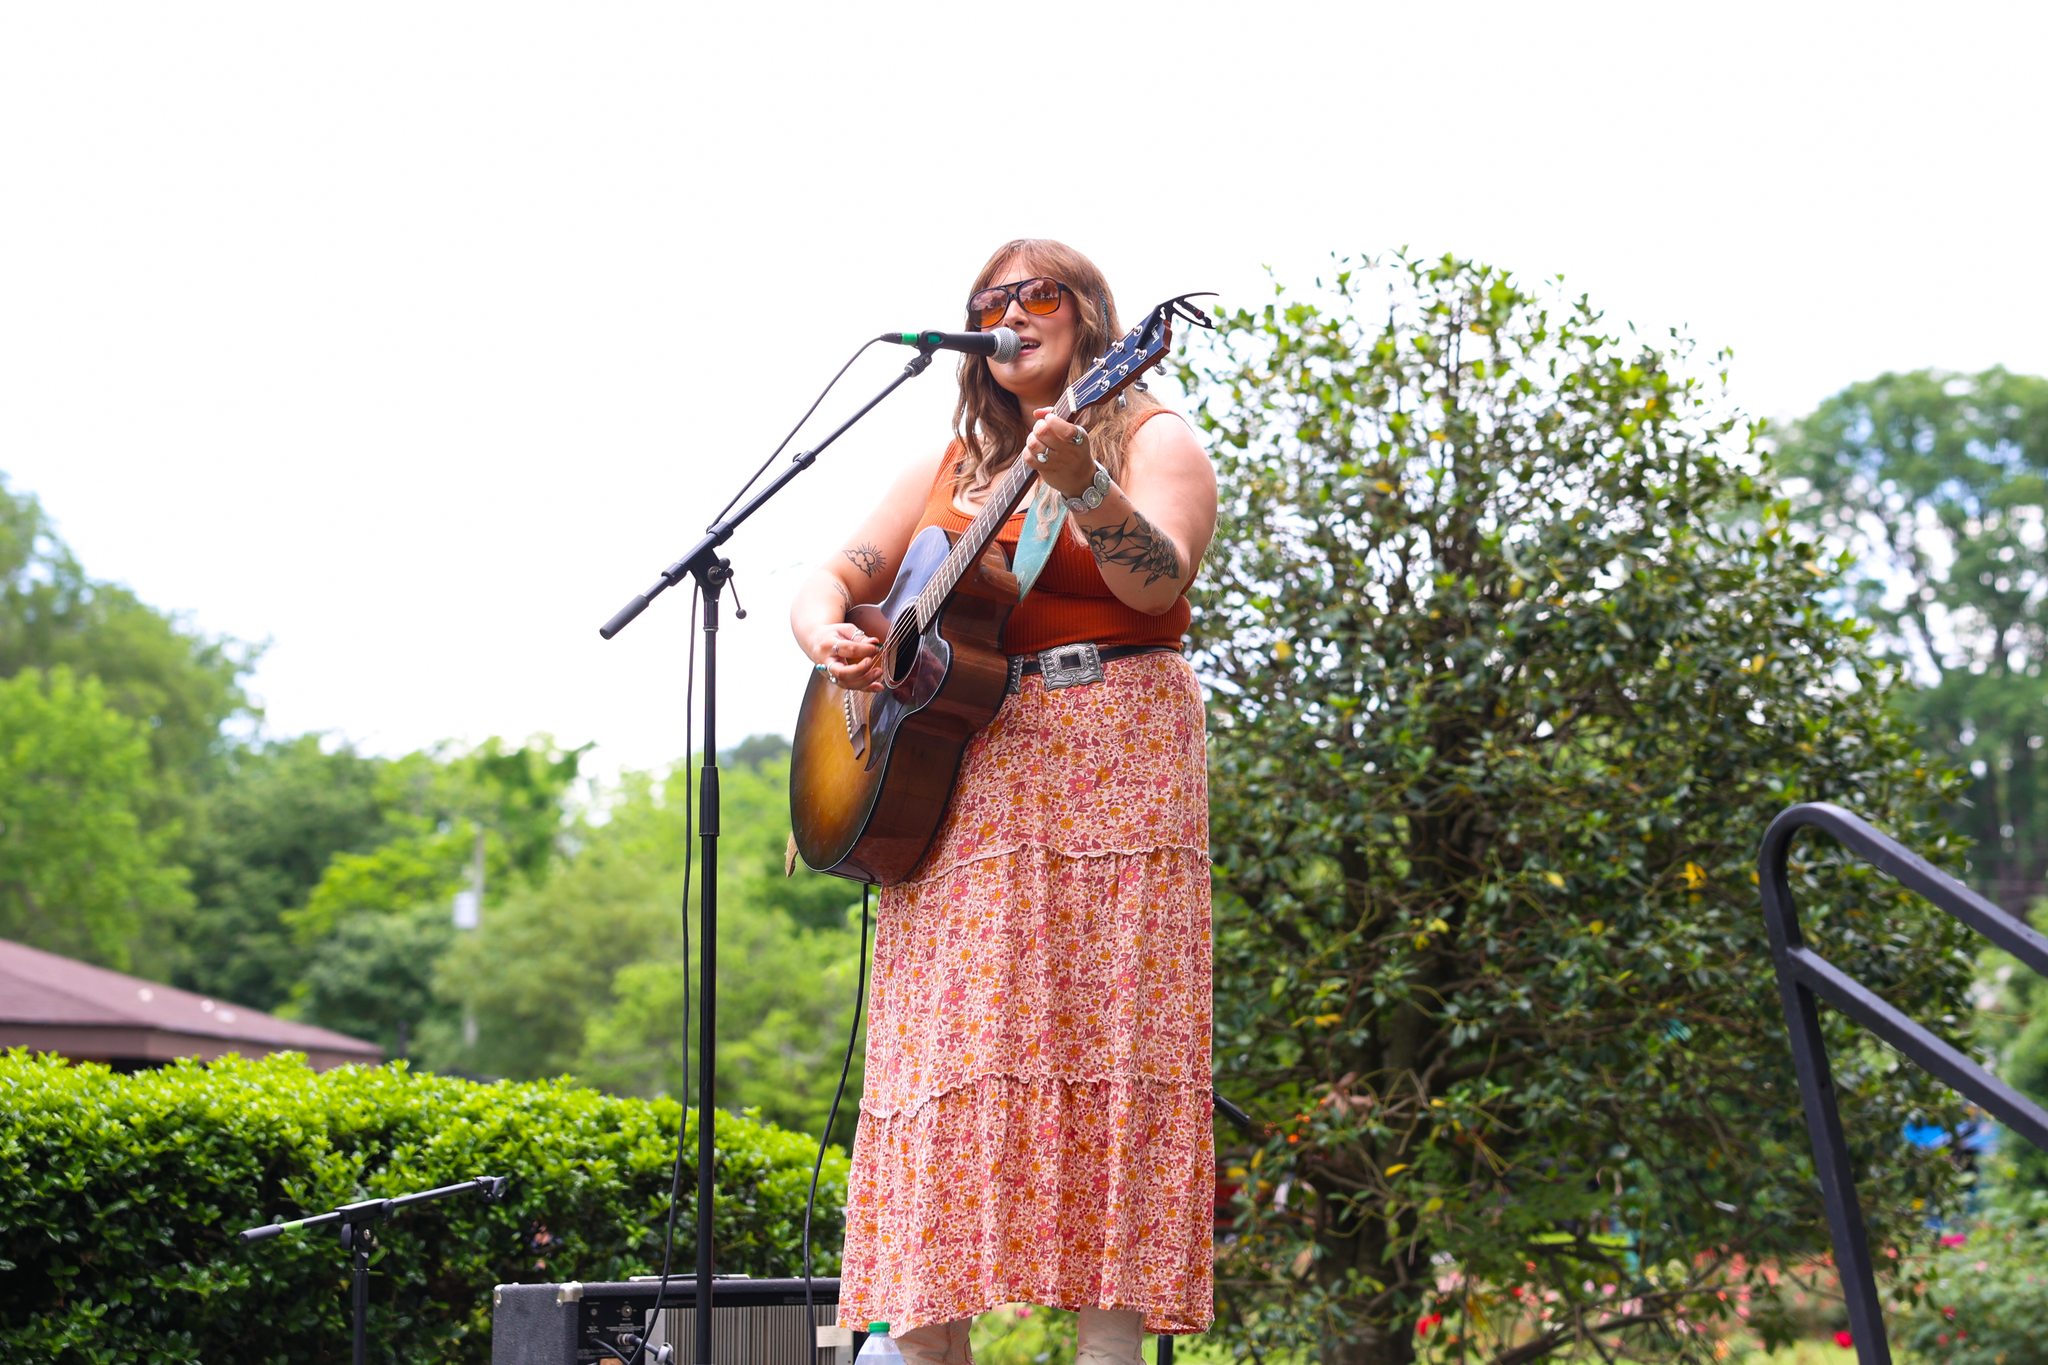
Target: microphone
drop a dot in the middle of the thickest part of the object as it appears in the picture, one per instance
(997, 343)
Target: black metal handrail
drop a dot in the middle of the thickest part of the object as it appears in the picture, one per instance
(1805, 978)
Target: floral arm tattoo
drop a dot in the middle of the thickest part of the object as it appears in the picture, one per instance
(1137, 545)
(867, 559)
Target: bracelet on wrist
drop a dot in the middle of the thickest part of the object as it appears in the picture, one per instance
(1090, 497)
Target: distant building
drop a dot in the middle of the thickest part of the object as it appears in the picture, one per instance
(89, 1014)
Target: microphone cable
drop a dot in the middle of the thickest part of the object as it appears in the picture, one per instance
(675, 1182)
(860, 996)
(689, 850)
(782, 445)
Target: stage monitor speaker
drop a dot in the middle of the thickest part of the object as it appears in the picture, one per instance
(753, 1322)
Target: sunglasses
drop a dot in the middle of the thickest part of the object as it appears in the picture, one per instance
(1041, 296)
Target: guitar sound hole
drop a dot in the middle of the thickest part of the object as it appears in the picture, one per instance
(902, 659)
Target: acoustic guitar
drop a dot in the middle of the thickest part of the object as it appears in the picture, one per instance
(871, 772)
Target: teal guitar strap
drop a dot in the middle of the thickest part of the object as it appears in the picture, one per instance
(1034, 548)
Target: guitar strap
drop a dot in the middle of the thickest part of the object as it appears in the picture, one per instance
(1034, 547)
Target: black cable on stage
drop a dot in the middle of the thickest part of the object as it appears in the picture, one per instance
(860, 996)
(689, 849)
(675, 1182)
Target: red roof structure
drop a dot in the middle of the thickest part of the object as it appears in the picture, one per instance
(89, 1014)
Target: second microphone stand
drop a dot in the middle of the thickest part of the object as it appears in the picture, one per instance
(355, 1222)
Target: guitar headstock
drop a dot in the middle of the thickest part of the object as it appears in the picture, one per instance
(1137, 351)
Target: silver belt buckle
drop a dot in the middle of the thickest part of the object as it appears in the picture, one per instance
(1070, 665)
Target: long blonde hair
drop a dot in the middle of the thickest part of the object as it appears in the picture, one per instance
(988, 421)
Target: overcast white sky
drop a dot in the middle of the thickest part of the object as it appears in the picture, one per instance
(414, 338)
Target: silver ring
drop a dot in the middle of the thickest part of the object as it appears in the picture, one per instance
(1080, 438)
(1042, 456)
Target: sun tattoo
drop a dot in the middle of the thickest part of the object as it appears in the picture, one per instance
(867, 559)
(1135, 544)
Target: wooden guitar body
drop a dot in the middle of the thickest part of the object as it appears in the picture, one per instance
(871, 771)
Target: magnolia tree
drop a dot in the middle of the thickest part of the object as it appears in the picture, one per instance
(1512, 656)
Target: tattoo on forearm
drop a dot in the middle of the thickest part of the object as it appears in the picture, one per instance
(1137, 545)
(867, 559)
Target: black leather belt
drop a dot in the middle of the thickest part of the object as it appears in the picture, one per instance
(1073, 665)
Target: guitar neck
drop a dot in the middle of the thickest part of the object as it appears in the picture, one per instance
(1003, 497)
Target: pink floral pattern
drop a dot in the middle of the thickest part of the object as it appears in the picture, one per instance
(1036, 1122)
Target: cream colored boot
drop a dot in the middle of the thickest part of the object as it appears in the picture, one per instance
(1109, 1336)
(936, 1343)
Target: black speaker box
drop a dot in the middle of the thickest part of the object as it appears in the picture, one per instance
(753, 1322)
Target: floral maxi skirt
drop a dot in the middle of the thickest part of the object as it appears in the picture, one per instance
(1035, 1125)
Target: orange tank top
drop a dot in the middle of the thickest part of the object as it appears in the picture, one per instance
(1070, 602)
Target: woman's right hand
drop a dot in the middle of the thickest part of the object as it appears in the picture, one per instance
(848, 656)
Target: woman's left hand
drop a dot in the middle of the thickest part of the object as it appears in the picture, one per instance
(1059, 451)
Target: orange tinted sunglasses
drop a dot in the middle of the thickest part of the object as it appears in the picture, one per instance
(1040, 296)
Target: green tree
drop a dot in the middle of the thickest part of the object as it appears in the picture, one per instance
(373, 977)
(370, 929)
(2014, 1011)
(267, 830)
(584, 972)
(1511, 664)
(1938, 484)
(754, 841)
(545, 956)
(80, 872)
(440, 809)
(179, 684)
(785, 1001)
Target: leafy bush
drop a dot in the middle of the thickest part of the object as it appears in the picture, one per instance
(2013, 1010)
(120, 1198)
(1513, 654)
(1985, 1295)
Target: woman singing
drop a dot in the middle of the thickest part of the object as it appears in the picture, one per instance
(1036, 1122)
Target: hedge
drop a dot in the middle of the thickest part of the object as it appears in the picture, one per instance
(120, 1198)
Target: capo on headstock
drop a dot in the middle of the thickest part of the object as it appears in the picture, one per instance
(1188, 312)
(1138, 350)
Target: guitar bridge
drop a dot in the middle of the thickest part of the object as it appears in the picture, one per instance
(856, 725)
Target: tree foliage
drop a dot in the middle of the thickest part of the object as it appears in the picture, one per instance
(584, 973)
(178, 684)
(121, 705)
(1937, 483)
(266, 832)
(1511, 664)
(440, 810)
(373, 977)
(2013, 1010)
(80, 872)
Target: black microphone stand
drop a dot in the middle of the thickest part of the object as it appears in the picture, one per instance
(712, 573)
(356, 1221)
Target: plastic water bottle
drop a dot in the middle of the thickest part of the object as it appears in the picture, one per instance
(878, 1345)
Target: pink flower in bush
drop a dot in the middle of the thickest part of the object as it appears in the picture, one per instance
(1954, 1239)
(1844, 1340)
